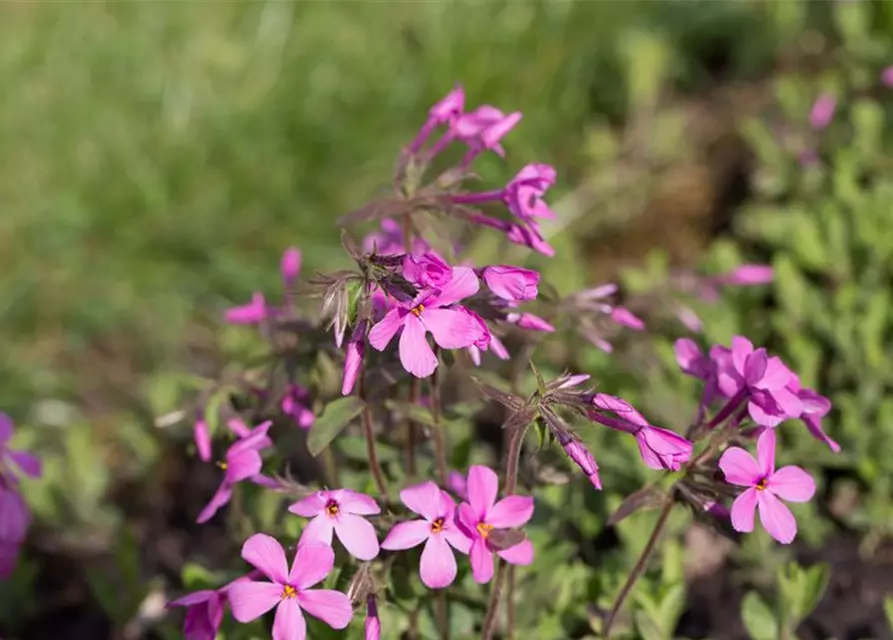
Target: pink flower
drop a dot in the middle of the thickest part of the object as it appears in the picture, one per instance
(290, 266)
(626, 318)
(430, 311)
(204, 614)
(289, 591)
(578, 452)
(388, 240)
(763, 381)
(202, 438)
(660, 448)
(353, 357)
(511, 283)
(815, 407)
(339, 512)
(446, 111)
(748, 274)
(887, 77)
(530, 235)
(14, 514)
(254, 312)
(529, 321)
(15, 459)
(373, 623)
(765, 487)
(426, 270)
(822, 111)
(295, 404)
(524, 193)
(692, 360)
(243, 462)
(483, 128)
(437, 529)
(457, 483)
(482, 514)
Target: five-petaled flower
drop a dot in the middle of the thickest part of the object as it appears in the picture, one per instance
(340, 513)
(431, 310)
(289, 591)
(482, 514)
(765, 486)
(437, 529)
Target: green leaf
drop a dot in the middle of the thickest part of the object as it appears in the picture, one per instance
(335, 417)
(758, 618)
(814, 585)
(888, 611)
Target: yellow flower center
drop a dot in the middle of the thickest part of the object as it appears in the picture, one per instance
(222, 465)
(761, 485)
(484, 529)
(437, 526)
(417, 310)
(288, 592)
(332, 508)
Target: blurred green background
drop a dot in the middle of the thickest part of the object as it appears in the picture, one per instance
(155, 159)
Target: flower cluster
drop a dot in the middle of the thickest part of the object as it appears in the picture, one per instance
(14, 514)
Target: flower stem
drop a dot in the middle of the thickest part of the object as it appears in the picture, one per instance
(513, 462)
(409, 426)
(442, 614)
(639, 569)
(510, 605)
(437, 431)
(371, 450)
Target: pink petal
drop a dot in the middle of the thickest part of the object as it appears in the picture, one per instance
(319, 529)
(739, 467)
(481, 561)
(29, 464)
(742, 511)
(457, 539)
(311, 505)
(238, 427)
(357, 535)
(755, 367)
(406, 535)
(313, 562)
(196, 597)
(332, 607)
(202, 440)
(520, 554)
(357, 503)
(438, 565)
(250, 600)
(777, 519)
(220, 498)
(6, 426)
(265, 553)
(416, 355)
(483, 486)
(510, 512)
(766, 452)
(463, 284)
(254, 440)
(242, 465)
(741, 349)
(777, 375)
(385, 329)
(289, 623)
(788, 402)
(792, 484)
(423, 499)
(451, 328)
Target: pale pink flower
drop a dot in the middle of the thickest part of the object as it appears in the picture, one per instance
(339, 513)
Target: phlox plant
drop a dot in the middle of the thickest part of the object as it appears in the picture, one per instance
(413, 318)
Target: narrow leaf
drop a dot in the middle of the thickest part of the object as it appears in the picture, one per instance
(335, 417)
(649, 497)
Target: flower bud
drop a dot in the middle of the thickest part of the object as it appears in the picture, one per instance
(290, 266)
(511, 283)
(578, 452)
(353, 358)
(373, 623)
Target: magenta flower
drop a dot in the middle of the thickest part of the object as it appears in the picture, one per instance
(524, 193)
(457, 483)
(289, 591)
(529, 321)
(446, 111)
(353, 357)
(296, 404)
(339, 512)
(659, 448)
(430, 310)
(388, 240)
(14, 514)
(815, 407)
(426, 270)
(580, 455)
(202, 438)
(765, 487)
(887, 77)
(822, 111)
(482, 514)
(290, 266)
(12, 458)
(373, 623)
(763, 381)
(626, 318)
(204, 613)
(242, 462)
(482, 129)
(254, 312)
(692, 360)
(748, 275)
(437, 529)
(529, 235)
(511, 283)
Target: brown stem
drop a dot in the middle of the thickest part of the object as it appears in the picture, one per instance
(513, 463)
(639, 569)
(437, 431)
(410, 430)
(371, 449)
(442, 613)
